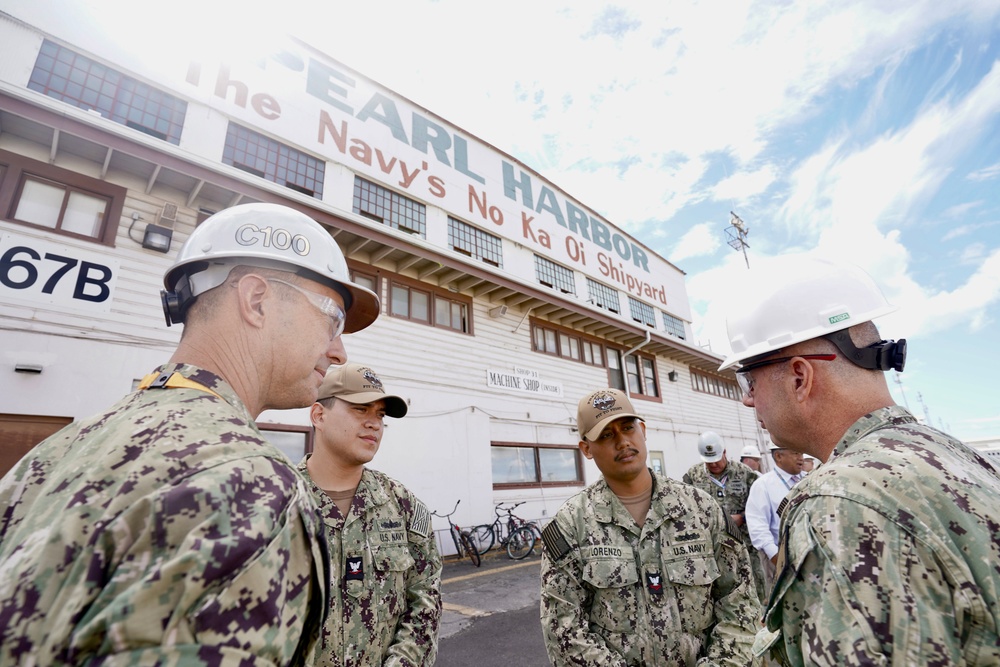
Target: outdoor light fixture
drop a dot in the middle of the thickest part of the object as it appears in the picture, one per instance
(33, 369)
(672, 376)
(499, 311)
(157, 238)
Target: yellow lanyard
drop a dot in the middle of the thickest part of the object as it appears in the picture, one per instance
(175, 381)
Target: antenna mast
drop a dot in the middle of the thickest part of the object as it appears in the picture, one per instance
(736, 235)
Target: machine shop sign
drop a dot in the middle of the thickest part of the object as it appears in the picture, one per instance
(41, 273)
(518, 380)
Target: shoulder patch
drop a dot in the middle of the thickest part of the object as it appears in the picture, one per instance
(554, 541)
(421, 521)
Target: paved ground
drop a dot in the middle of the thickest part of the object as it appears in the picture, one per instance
(491, 613)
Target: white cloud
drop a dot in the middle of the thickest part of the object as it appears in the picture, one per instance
(986, 173)
(700, 240)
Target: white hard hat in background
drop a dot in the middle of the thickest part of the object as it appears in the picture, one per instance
(710, 447)
(795, 298)
(268, 236)
(750, 451)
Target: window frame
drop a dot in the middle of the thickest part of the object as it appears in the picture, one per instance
(646, 313)
(559, 332)
(715, 385)
(594, 291)
(673, 324)
(483, 243)
(558, 271)
(434, 293)
(109, 91)
(308, 431)
(14, 169)
(379, 195)
(539, 483)
(618, 378)
(311, 170)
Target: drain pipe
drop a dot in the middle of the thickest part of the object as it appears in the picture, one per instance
(649, 337)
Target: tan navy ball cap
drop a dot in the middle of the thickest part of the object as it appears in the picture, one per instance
(356, 383)
(599, 408)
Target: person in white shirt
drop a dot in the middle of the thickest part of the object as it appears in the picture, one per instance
(766, 494)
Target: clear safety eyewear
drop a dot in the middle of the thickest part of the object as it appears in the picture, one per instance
(746, 380)
(325, 304)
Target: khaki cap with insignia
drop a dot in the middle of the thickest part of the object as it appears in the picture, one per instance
(356, 383)
(599, 408)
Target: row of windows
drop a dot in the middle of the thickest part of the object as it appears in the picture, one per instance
(63, 74)
(638, 371)
(718, 386)
(419, 302)
(75, 79)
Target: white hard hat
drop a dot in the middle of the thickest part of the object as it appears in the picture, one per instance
(266, 236)
(710, 447)
(750, 451)
(795, 298)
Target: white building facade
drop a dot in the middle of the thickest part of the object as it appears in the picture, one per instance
(504, 299)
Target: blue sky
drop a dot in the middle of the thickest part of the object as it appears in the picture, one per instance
(867, 131)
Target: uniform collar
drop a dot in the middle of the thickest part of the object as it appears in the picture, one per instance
(893, 415)
(609, 509)
(210, 381)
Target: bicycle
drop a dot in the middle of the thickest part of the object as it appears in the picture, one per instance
(460, 537)
(518, 538)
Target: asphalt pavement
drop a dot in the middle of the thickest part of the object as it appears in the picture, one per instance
(490, 614)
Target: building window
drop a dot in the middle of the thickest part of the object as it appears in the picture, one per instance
(262, 156)
(428, 306)
(642, 312)
(565, 343)
(521, 465)
(366, 279)
(552, 275)
(639, 371)
(603, 296)
(75, 79)
(294, 441)
(390, 208)
(474, 242)
(48, 197)
(674, 326)
(718, 386)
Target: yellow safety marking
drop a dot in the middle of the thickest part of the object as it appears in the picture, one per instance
(484, 573)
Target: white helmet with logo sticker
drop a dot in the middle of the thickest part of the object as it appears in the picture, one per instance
(267, 236)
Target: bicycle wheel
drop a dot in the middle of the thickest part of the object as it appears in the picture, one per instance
(470, 550)
(482, 538)
(520, 543)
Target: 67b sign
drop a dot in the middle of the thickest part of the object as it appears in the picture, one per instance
(43, 273)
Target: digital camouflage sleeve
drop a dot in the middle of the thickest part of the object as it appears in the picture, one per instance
(890, 553)
(166, 531)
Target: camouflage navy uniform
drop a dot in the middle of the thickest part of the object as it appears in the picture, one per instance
(166, 530)
(890, 553)
(674, 592)
(385, 578)
(733, 499)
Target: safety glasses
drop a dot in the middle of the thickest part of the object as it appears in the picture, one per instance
(746, 380)
(325, 304)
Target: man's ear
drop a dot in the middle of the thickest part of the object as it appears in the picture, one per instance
(316, 414)
(251, 292)
(585, 448)
(803, 374)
